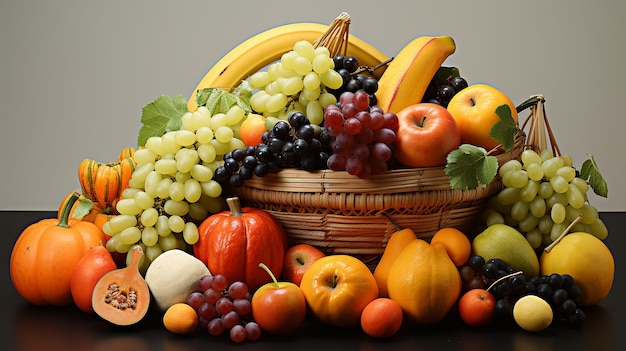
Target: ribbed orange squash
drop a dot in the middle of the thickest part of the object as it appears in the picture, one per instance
(105, 182)
(234, 242)
(126, 152)
(87, 170)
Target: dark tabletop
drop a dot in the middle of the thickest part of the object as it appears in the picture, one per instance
(30, 328)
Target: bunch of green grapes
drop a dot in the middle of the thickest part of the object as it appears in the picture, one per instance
(172, 189)
(297, 82)
(542, 196)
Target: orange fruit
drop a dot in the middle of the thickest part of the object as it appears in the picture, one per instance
(457, 244)
(381, 318)
(180, 318)
(252, 129)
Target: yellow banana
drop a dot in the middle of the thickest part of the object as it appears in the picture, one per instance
(266, 47)
(407, 76)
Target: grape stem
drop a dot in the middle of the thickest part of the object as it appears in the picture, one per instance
(497, 281)
(555, 242)
(369, 70)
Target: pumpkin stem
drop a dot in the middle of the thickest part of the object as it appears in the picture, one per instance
(269, 271)
(235, 206)
(67, 208)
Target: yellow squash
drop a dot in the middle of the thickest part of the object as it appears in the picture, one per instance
(396, 243)
(425, 282)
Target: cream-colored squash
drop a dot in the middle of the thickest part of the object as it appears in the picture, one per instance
(173, 275)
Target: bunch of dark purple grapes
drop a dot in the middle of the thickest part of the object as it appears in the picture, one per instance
(295, 143)
(440, 91)
(355, 77)
(559, 290)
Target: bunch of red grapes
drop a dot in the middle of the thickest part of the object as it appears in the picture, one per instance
(361, 135)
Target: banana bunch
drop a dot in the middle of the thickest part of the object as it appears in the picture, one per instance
(402, 83)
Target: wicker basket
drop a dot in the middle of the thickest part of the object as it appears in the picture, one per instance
(342, 214)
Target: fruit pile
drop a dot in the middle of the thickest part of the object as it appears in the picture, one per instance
(159, 227)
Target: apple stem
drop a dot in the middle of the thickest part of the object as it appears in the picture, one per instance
(498, 280)
(555, 242)
(269, 271)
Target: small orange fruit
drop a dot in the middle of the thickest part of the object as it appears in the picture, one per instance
(457, 244)
(180, 318)
(252, 129)
(381, 318)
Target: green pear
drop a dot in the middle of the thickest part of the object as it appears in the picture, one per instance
(508, 244)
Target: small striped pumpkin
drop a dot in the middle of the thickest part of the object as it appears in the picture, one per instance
(104, 183)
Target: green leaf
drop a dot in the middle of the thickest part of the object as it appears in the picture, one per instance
(220, 101)
(469, 165)
(160, 116)
(443, 73)
(83, 208)
(590, 172)
(504, 130)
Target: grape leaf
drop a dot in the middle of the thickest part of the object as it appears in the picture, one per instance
(161, 115)
(505, 129)
(220, 101)
(443, 73)
(589, 172)
(83, 208)
(469, 165)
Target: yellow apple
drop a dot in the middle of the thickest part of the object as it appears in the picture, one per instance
(474, 110)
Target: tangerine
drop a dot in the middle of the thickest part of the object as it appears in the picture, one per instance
(180, 318)
(457, 244)
(252, 129)
(381, 318)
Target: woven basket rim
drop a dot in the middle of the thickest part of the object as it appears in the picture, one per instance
(401, 180)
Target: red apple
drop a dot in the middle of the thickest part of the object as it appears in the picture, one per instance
(426, 134)
(278, 307)
(477, 307)
(298, 259)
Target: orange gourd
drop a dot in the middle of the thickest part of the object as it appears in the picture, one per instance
(424, 281)
(122, 296)
(396, 243)
(126, 152)
(45, 255)
(104, 183)
(233, 242)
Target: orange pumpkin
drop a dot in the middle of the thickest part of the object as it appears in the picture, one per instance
(104, 183)
(45, 255)
(235, 241)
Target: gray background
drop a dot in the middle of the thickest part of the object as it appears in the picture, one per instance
(76, 74)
